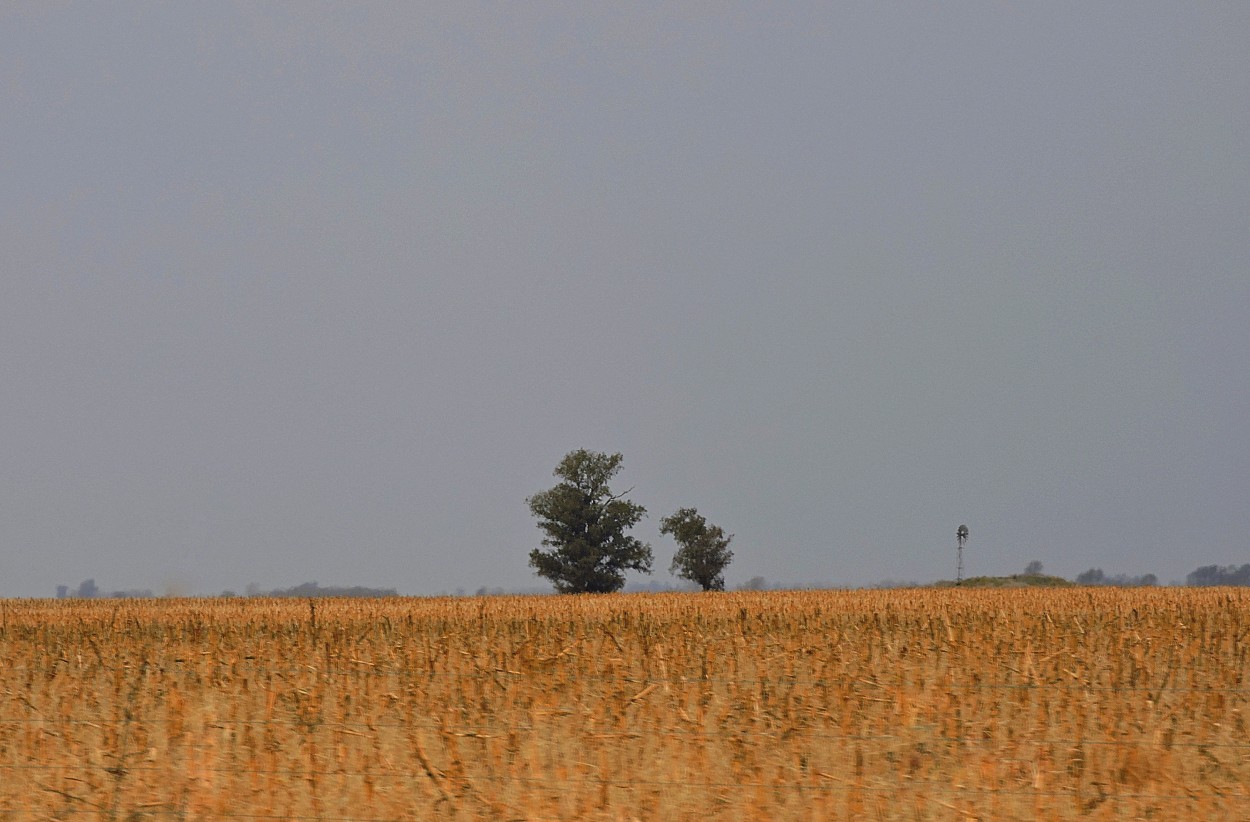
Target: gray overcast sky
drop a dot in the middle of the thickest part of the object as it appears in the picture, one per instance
(299, 292)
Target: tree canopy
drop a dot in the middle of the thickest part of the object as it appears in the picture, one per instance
(704, 549)
(585, 526)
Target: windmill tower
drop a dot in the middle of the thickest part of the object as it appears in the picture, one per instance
(961, 536)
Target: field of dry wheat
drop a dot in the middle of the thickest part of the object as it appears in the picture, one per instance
(910, 704)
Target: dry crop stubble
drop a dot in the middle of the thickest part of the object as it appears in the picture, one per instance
(915, 704)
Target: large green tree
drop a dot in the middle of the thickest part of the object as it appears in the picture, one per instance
(703, 550)
(585, 527)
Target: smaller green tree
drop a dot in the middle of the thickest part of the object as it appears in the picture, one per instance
(703, 550)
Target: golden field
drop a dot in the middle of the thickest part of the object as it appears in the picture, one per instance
(906, 704)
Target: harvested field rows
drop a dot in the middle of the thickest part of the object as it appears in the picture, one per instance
(915, 704)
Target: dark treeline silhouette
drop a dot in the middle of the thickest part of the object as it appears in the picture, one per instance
(312, 589)
(87, 589)
(1220, 575)
(1095, 576)
(1208, 575)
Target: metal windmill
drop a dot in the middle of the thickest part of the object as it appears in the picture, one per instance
(961, 536)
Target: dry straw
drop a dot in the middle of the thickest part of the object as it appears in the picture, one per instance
(919, 704)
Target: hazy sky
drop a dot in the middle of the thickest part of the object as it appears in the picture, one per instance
(298, 292)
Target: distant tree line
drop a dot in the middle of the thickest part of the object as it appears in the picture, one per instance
(312, 589)
(87, 589)
(1095, 576)
(1219, 575)
(1207, 575)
